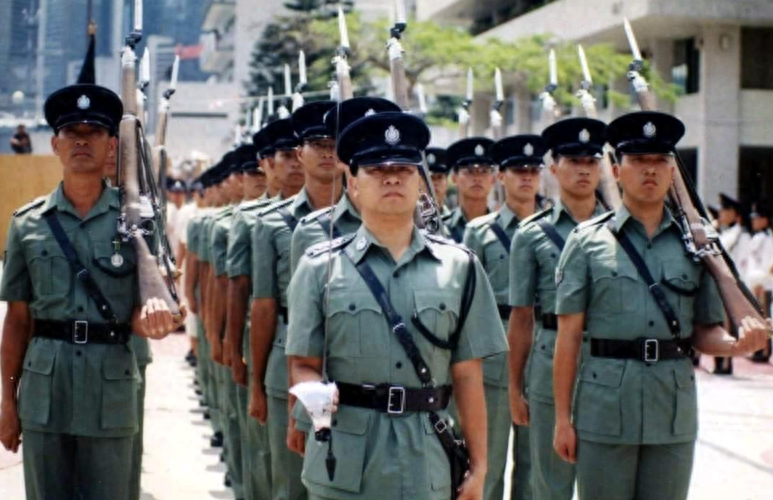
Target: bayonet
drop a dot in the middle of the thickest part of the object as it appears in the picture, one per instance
(342, 90)
(496, 107)
(638, 82)
(464, 111)
(549, 106)
(298, 100)
(396, 61)
(422, 98)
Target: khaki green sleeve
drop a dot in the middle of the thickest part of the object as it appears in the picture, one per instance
(264, 257)
(472, 241)
(220, 246)
(239, 258)
(573, 277)
(298, 246)
(708, 307)
(523, 269)
(16, 285)
(482, 334)
(306, 328)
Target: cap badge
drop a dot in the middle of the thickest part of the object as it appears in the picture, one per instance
(431, 159)
(584, 136)
(650, 130)
(370, 112)
(392, 136)
(528, 149)
(84, 102)
(479, 150)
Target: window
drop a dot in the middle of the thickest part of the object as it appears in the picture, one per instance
(756, 70)
(686, 71)
(689, 159)
(755, 174)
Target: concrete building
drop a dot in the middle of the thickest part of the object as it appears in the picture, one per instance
(717, 51)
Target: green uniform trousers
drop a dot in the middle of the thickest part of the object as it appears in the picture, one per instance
(552, 477)
(286, 466)
(202, 365)
(63, 466)
(634, 472)
(213, 394)
(499, 422)
(139, 446)
(232, 434)
(256, 453)
(521, 486)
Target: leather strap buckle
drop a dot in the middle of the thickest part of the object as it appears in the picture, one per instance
(441, 426)
(651, 350)
(396, 400)
(80, 332)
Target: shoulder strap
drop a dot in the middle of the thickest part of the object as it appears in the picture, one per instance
(456, 234)
(394, 319)
(550, 232)
(289, 219)
(655, 289)
(325, 221)
(81, 273)
(500, 233)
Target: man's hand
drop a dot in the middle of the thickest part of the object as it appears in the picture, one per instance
(519, 408)
(226, 352)
(565, 442)
(156, 320)
(10, 426)
(753, 335)
(216, 352)
(296, 440)
(239, 370)
(258, 405)
(472, 487)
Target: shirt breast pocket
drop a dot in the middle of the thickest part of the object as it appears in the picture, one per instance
(50, 272)
(119, 389)
(118, 268)
(355, 319)
(438, 311)
(35, 390)
(616, 286)
(599, 404)
(681, 285)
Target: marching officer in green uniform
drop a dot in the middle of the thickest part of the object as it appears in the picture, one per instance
(344, 216)
(69, 375)
(314, 156)
(576, 145)
(632, 425)
(234, 185)
(383, 436)
(520, 161)
(473, 174)
(256, 458)
(438, 174)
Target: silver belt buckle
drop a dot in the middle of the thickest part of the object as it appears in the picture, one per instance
(651, 350)
(80, 332)
(396, 408)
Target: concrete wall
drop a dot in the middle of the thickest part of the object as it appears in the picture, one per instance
(22, 179)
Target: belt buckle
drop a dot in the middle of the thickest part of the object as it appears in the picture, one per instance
(649, 346)
(396, 408)
(78, 327)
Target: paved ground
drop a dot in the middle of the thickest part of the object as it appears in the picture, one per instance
(734, 457)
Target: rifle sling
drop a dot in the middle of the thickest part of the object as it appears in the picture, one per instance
(550, 232)
(500, 234)
(288, 218)
(326, 222)
(81, 273)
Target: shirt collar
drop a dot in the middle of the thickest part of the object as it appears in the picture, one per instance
(559, 209)
(107, 200)
(507, 216)
(301, 205)
(344, 206)
(364, 240)
(622, 216)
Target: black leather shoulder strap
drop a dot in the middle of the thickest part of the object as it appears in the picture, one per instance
(501, 234)
(326, 221)
(550, 232)
(288, 218)
(655, 289)
(81, 273)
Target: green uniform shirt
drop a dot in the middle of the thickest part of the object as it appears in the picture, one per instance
(455, 223)
(309, 232)
(379, 456)
(532, 282)
(481, 239)
(205, 237)
(89, 389)
(271, 277)
(220, 230)
(627, 401)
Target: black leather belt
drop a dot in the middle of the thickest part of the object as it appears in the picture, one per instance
(504, 311)
(393, 399)
(642, 349)
(83, 332)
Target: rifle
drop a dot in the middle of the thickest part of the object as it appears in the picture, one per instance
(464, 110)
(159, 148)
(551, 113)
(497, 129)
(298, 95)
(428, 212)
(700, 238)
(609, 188)
(343, 80)
(140, 213)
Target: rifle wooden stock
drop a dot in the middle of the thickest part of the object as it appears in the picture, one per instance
(738, 303)
(151, 283)
(399, 83)
(608, 184)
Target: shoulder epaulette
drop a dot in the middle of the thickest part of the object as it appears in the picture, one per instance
(599, 219)
(313, 216)
(29, 206)
(329, 246)
(278, 204)
(446, 241)
(447, 217)
(483, 220)
(535, 216)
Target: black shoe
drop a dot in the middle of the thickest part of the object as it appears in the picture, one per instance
(222, 457)
(196, 382)
(227, 480)
(203, 403)
(760, 357)
(207, 416)
(198, 392)
(216, 441)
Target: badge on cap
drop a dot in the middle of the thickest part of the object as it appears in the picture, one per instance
(584, 136)
(370, 112)
(361, 243)
(392, 136)
(650, 130)
(528, 149)
(479, 150)
(84, 102)
(431, 159)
